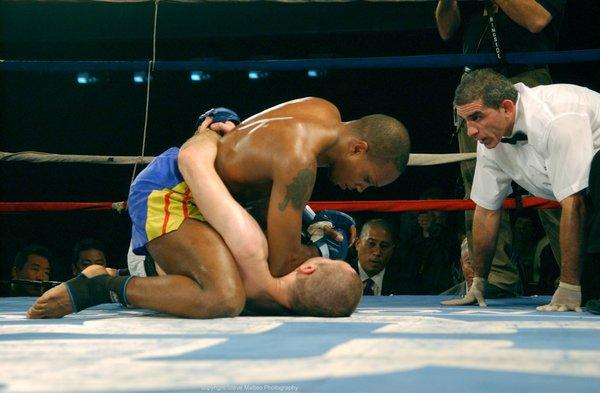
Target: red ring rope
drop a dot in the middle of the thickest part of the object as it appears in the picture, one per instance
(348, 206)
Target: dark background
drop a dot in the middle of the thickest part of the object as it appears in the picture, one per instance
(50, 112)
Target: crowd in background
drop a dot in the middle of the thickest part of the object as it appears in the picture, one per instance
(412, 253)
(428, 252)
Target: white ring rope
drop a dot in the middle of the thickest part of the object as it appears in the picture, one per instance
(437, 159)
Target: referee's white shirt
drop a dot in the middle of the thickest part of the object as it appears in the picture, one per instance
(562, 124)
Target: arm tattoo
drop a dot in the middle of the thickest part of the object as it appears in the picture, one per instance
(299, 190)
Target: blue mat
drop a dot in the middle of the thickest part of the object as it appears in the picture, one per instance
(391, 344)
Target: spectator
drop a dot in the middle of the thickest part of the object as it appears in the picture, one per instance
(32, 263)
(375, 247)
(87, 252)
(432, 252)
(524, 247)
(466, 265)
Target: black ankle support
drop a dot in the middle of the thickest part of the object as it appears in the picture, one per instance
(87, 292)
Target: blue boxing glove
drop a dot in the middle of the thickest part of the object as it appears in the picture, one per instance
(328, 247)
(219, 115)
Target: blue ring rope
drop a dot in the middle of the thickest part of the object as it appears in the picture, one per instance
(421, 61)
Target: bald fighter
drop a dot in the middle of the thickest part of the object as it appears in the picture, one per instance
(270, 162)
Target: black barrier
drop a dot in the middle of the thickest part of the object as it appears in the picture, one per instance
(422, 61)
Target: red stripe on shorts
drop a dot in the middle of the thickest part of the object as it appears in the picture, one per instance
(167, 214)
(186, 198)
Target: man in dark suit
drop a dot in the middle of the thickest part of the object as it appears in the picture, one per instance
(375, 247)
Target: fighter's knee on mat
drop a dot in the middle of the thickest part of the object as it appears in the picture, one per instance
(226, 300)
(231, 296)
(232, 304)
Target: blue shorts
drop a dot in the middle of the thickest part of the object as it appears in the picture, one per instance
(159, 200)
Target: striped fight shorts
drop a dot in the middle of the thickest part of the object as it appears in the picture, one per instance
(159, 200)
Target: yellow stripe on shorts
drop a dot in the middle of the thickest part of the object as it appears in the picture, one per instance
(167, 208)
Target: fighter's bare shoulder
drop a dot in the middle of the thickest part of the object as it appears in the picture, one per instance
(280, 140)
(316, 107)
(302, 109)
(312, 119)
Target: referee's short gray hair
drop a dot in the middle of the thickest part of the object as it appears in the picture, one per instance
(485, 84)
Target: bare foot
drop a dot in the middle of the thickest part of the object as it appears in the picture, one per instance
(56, 302)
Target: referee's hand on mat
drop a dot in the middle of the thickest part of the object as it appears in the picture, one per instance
(567, 297)
(474, 295)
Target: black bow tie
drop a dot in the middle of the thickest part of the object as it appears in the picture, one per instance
(518, 136)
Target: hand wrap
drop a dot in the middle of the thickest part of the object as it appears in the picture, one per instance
(328, 247)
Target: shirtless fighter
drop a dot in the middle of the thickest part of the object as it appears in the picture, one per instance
(271, 160)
